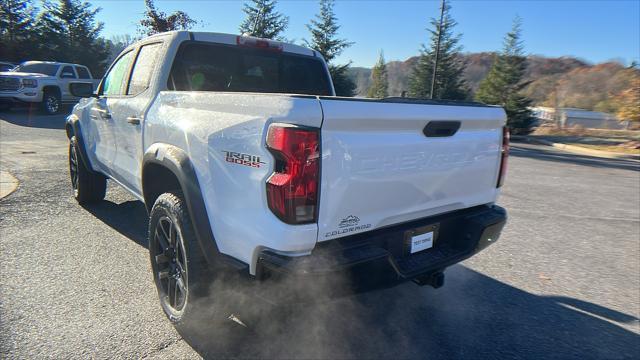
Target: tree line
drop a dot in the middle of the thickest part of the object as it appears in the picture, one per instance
(67, 30)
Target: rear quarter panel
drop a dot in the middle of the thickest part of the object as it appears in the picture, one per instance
(207, 126)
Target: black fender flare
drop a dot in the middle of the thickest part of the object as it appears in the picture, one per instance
(178, 163)
(72, 128)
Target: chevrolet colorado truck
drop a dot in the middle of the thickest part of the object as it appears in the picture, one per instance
(43, 83)
(245, 158)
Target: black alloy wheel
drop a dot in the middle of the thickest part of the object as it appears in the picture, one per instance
(169, 260)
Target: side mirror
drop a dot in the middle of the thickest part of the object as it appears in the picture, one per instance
(83, 90)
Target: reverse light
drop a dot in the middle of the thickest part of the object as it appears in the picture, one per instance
(292, 190)
(29, 83)
(504, 155)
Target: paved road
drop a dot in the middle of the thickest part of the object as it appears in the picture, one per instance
(563, 282)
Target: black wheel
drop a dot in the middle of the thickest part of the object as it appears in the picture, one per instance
(87, 186)
(179, 268)
(51, 102)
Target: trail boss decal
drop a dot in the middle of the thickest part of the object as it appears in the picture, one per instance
(347, 225)
(242, 159)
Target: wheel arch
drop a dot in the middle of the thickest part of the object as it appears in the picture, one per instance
(54, 88)
(165, 167)
(72, 128)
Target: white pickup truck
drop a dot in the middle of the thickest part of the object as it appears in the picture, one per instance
(244, 157)
(45, 83)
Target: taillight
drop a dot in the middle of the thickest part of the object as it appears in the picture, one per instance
(504, 156)
(292, 190)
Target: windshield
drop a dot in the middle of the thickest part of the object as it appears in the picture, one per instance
(47, 69)
(212, 67)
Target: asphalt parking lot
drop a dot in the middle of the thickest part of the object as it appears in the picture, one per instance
(563, 281)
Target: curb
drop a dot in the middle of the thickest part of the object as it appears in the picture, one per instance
(577, 149)
(8, 184)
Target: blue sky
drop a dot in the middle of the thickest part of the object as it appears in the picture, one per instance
(595, 31)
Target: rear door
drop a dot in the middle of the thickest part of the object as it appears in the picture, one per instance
(67, 76)
(128, 116)
(381, 167)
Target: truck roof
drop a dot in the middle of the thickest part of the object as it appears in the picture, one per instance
(49, 62)
(233, 39)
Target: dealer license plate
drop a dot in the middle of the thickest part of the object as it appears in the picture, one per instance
(421, 239)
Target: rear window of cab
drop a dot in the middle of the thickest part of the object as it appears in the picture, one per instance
(216, 67)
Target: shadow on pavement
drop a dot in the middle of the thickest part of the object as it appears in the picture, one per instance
(32, 117)
(518, 150)
(472, 316)
(128, 218)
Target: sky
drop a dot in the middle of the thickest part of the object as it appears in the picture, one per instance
(595, 31)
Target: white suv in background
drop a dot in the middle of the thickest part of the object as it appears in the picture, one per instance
(42, 82)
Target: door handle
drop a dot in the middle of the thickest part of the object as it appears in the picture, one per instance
(133, 120)
(104, 113)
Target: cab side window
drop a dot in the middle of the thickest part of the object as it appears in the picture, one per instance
(83, 73)
(115, 82)
(143, 68)
(67, 73)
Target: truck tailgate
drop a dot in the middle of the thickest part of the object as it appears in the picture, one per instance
(379, 168)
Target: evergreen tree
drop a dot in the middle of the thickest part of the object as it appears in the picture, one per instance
(155, 21)
(324, 39)
(69, 33)
(379, 84)
(263, 20)
(16, 30)
(449, 82)
(503, 84)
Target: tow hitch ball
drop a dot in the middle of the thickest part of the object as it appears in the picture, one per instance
(436, 279)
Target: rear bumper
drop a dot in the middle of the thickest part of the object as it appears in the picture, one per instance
(461, 235)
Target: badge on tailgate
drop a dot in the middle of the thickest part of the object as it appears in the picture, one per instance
(420, 239)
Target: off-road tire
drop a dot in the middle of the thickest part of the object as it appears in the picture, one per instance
(87, 185)
(179, 257)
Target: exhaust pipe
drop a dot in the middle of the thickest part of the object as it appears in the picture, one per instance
(436, 280)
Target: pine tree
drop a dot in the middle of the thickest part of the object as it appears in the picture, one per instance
(17, 21)
(324, 39)
(263, 20)
(69, 33)
(155, 21)
(449, 82)
(379, 83)
(503, 84)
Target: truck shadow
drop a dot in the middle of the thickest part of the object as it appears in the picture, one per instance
(472, 316)
(31, 117)
(129, 218)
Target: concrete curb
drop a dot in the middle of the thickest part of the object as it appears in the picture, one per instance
(8, 184)
(576, 149)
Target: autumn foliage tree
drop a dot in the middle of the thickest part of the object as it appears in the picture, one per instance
(628, 101)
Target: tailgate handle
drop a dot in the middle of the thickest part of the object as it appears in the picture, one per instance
(441, 128)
